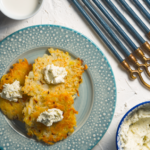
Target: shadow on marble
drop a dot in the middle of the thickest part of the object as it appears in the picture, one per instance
(7, 22)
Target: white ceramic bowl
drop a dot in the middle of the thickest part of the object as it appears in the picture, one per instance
(10, 15)
(144, 105)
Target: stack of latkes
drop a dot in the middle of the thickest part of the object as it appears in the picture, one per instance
(38, 96)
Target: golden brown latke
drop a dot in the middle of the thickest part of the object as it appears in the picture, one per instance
(58, 131)
(52, 96)
(35, 83)
(13, 110)
(39, 96)
(18, 72)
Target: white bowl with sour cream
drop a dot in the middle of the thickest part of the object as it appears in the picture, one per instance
(133, 132)
(20, 9)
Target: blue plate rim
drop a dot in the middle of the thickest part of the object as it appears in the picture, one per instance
(63, 27)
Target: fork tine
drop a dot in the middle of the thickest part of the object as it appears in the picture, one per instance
(123, 63)
(137, 50)
(112, 34)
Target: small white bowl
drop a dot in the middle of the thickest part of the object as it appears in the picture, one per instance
(144, 105)
(10, 15)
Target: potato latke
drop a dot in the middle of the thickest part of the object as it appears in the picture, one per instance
(58, 131)
(35, 84)
(38, 96)
(12, 109)
(52, 96)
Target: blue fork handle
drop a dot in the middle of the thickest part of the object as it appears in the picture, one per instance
(107, 28)
(125, 21)
(134, 15)
(148, 2)
(110, 18)
(145, 12)
(101, 35)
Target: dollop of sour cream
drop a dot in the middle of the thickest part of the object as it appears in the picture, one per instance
(50, 116)
(135, 131)
(54, 74)
(12, 91)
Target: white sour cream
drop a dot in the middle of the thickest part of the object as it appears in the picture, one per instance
(135, 132)
(12, 91)
(54, 74)
(50, 116)
(20, 7)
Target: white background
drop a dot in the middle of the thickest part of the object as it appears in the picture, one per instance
(64, 13)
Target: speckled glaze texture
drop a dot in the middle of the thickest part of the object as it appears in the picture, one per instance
(64, 13)
(104, 90)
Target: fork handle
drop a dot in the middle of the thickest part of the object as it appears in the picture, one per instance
(134, 15)
(121, 16)
(98, 31)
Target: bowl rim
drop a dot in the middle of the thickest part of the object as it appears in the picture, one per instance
(22, 18)
(123, 118)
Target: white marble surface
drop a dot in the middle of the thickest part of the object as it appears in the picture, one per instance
(64, 13)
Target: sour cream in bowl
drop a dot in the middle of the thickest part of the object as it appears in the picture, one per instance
(133, 132)
(20, 9)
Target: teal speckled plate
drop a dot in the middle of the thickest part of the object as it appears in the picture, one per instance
(97, 100)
